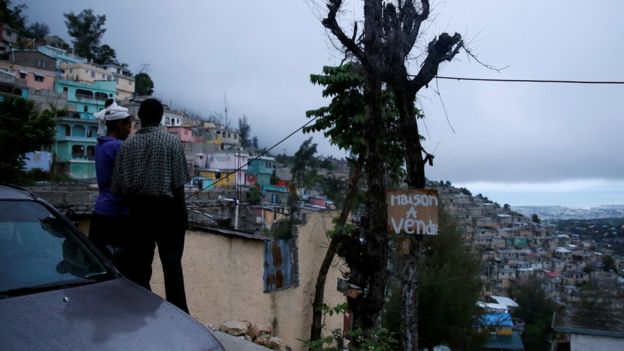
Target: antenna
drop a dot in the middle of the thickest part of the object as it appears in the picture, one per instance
(226, 116)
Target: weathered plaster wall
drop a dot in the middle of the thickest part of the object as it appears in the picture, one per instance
(224, 281)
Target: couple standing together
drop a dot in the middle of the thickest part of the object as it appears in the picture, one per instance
(141, 203)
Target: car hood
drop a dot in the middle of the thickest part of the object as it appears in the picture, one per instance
(110, 315)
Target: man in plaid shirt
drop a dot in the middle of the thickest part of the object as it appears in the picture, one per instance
(151, 170)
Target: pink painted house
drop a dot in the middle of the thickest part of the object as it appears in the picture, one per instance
(184, 133)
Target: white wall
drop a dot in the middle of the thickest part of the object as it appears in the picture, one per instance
(595, 343)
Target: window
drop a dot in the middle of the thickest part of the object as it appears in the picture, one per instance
(101, 96)
(65, 89)
(67, 130)
(77, 151)
(85, 108)
(84, 94)
(38, 78)
(91, 152)
(48, 251)
(92, 74)
(22, 75)
(79, 131)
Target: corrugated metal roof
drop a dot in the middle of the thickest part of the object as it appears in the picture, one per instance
(504, 300)
(226, 232)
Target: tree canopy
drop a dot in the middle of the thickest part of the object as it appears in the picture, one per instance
(22, 130)
(449, 287)
(13, 16)
(342, 121)
(535, 310)
(303, 162)
(143, 84)
(244, 130)
(86, 29)
(38, 31)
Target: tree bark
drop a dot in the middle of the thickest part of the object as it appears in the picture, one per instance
(367, 307)
(415, 179)
(319, 295)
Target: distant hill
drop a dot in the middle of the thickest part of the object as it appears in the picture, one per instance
(561, 212)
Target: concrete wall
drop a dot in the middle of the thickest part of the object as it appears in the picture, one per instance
(602, 343)
(224, 281)
(34, 59)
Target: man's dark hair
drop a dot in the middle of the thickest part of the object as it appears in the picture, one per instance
(151, 111)
(108, 102)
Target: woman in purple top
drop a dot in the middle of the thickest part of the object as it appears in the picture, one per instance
(109, 222)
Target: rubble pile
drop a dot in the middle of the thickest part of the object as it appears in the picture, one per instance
(261, 335)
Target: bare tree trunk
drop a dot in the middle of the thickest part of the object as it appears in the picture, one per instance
(367, 307)
(319, 295)
(415, 179)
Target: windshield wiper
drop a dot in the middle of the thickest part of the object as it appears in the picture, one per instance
(46, 287)
(98, 276)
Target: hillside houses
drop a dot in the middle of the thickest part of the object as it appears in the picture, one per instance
(513, 248)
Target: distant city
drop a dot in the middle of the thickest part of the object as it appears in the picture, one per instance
(562, 212)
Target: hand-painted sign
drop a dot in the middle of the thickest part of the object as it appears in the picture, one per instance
(412, 211)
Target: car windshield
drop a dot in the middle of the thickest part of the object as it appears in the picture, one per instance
(39, 251)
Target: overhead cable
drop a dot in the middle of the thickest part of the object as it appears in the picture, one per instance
(552, 81)
(253, 159)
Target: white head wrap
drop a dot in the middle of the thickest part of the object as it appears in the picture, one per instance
(111, 113)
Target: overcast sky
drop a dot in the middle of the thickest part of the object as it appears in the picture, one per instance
(522, 144)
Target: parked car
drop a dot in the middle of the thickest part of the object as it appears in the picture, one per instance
(57, 291)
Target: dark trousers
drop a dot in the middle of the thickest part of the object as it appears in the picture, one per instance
(110, 235)
(157, 221)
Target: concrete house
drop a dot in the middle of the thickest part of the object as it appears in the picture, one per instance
(125, 82)
(75, 147)
(262, 168)
(86, 98)
(583, 328)
(8, 38)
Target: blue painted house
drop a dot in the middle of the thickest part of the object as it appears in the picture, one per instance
(75, 147)
(61, 56)
(76, 136)
(262, 169)
(86, 98)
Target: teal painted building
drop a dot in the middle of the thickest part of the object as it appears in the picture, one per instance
(75, 147)
(76, 137)
(262, 168)
(61, 56)
(87, 98)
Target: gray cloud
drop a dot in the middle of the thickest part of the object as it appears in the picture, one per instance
(260, 53)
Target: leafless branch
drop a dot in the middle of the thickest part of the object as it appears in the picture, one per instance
(437, 91)
(474, 57)
(331, 23)
(440, 49)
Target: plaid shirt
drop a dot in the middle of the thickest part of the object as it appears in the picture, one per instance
(151, 162)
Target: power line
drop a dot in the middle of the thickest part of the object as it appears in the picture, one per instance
(253, 159)
(603, 82)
